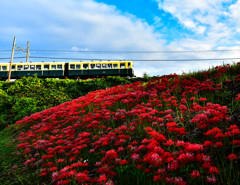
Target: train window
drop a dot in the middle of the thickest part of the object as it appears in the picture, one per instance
(72, 66)
(46, 67)
(129, 65)
(115, 66)
(85, 66)
(59, 66)
(0, 68)
(109, 65)
(98, 66)
(92, 66)
(32, 67)
(20, 67)
(53, 67)
(78, 66)
(104, 66)
(26, 67)
(4, 68)
(13, 67)
(38, 67)
(122, 65)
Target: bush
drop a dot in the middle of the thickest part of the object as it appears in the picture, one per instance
(6, 104)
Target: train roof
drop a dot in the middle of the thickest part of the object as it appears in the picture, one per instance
(54, 62)
(33, 63)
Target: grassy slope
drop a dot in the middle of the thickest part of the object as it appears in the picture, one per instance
(8, 157)
(36, 90)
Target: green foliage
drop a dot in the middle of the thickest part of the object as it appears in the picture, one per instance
(29, 95)
(146, 76)
(6, 104)
(24, 106)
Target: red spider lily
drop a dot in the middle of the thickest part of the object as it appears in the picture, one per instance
(195, 174)
(157, 178)
(213, 170)
(211, 179)
(136, 124)
(82, 177)
(193, 147)
(111, 154)
(219, 144)
(159, 137)
(202, 99)
(238, 97)
(236, 142)
(153, 159)
(207, 144)
(102, 178)
(232, 157)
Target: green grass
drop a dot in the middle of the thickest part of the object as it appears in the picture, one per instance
(7, 156)
(12, 171)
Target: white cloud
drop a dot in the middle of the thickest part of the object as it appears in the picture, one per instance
(197, 15)
(83, 24)
(234, 11)
(158, 21)
(74, 48)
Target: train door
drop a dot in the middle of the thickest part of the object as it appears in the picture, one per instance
(66, 70)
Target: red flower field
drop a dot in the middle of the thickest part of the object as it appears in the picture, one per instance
(166, 131)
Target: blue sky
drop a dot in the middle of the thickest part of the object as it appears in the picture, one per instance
(136, 25)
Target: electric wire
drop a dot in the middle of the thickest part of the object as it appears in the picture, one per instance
(164, 51)
(160, 60)
(102, 59)
(169, 51)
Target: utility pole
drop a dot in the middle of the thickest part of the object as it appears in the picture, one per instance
(10, 69)
(17, 48)
(27, 51)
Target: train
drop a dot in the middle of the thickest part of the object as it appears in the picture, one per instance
(71, 70)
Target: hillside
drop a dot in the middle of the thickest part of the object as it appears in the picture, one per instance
(170, 130)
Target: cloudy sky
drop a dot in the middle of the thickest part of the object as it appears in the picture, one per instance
(80, 26)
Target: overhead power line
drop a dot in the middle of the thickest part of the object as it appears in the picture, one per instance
(10, 58)
(164, 51)
(176, 51)
(197, 59)
(101, 59)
